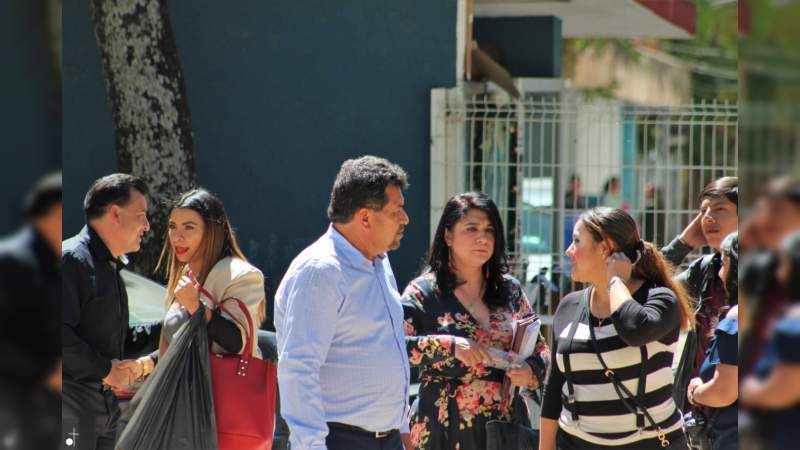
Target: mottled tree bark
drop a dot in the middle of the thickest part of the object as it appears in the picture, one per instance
(147, 95)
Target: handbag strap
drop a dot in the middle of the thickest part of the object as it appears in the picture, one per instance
(622, 391)
(248, 346)
(572, 405)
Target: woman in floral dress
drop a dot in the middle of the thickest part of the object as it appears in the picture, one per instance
(460, 307)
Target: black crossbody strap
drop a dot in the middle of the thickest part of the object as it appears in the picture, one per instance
(640, 393)
(625, 395)
(572, 405)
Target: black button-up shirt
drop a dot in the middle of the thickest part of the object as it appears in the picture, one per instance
(95, 307)
(30, 288)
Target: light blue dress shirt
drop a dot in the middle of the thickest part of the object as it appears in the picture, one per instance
(342, 355)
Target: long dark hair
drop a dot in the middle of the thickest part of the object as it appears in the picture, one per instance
(649, 264)
(439, 255)
(218, 238)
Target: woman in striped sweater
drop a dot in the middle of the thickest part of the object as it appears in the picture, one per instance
(611, 384)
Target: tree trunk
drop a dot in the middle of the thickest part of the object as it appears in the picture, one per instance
(147, 94)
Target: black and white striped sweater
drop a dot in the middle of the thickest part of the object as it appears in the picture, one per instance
(652, 320)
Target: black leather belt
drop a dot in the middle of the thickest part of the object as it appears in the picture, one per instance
(375, 434)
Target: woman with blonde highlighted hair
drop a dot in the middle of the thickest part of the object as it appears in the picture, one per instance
(200, 250)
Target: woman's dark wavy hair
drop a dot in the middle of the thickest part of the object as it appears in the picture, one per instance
(438, 261)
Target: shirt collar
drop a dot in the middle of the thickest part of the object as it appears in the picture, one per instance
(350, 253)
(99, 247)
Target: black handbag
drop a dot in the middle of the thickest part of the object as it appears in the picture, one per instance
(515, 434)
(698, 429)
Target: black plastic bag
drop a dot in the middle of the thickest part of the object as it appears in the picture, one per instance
(174, 408)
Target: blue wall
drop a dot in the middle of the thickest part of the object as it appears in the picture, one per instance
(280, 94)
(30, 115)
(530, 46)
(88, 137)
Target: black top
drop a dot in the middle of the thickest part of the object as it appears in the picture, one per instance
(30, 295)
(95, 307)
(225, 332)
(652, 321)
(704, 286)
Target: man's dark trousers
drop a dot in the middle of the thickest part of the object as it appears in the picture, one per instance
(89, 416)
(341, 439)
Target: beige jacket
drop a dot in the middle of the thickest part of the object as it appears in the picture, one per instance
(232, 277)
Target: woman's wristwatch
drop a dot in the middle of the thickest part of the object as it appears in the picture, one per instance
(613, 280)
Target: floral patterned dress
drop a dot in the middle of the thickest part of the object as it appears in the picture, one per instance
(456, 401)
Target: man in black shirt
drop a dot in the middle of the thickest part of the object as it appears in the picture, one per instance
(95, 309)
(30, 338)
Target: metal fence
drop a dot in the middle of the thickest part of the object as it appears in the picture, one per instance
(550, 156)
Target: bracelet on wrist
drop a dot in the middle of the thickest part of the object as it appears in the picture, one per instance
(147, 365)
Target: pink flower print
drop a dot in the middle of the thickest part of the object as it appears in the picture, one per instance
(419, 432)
(446, 320)
(416, 357)
(468, 400)
(442, 404)
(461, 317)
(408, 328)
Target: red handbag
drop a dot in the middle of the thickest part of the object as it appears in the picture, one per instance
(244, 393)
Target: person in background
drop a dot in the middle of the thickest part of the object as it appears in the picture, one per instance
(717, 387)
(772, 391)
(574, 198)
(775, 216)
(30, 335)
(718, 217)
(612, 194)
(653, 218)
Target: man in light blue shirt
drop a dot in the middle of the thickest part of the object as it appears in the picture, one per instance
(343, 371)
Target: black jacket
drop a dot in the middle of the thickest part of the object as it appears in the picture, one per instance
(30, 295)
(707, 293)
(700, 275)
(95, 307)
